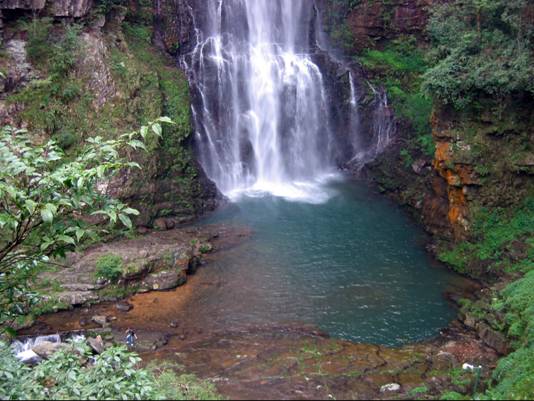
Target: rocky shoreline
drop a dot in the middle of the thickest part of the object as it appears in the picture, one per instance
(288, 361)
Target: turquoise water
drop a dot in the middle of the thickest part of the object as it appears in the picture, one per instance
(354, 266)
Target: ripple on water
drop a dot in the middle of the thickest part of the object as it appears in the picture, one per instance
(355, 265)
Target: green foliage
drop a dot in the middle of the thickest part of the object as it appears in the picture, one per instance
(109, 267)
(53, 52)
(138, 32)
(517, 302)
(70, 374)
(103, 7)
(37, 46)
(452, 395)
(183, 387)
(401, 56)
(407, 158)
(418, 391)
(481, 48)
(43, 196)
(342, 36)
(48, 103)
(399, 68)
(514, 376)
(493, 230)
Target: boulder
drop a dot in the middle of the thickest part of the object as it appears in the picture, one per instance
(29, 357)
(493, 339)
(419, 165)
(444, 361)
(390, 388)
(164, 280)
(97, 344)
(100, 320)
(124, 307)
(46, 349)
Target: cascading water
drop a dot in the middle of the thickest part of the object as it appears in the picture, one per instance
(262, 119)
(23, 350)
(266, 117)
(381, 129)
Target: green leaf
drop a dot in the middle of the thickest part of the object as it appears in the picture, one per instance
(66, 239)
(46, 244)
(156, 128)
(112, 215)
(129, 210)
(30, 206)
(165, 120)
(144, 131)
(101, 170)
(79, 233)
(47, 215)
(126, 220)
(51, 207)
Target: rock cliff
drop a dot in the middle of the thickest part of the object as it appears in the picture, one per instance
(118, 82)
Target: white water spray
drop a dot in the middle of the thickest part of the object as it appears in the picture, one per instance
(262, 120)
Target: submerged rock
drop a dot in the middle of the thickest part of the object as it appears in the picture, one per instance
(100, 320)
(124, 306)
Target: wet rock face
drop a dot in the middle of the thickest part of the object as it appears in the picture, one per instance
(22, 4)
(69, 8)
(372, 21)
(481, 160)
(55, 8)
(95, 67)
(174, 24)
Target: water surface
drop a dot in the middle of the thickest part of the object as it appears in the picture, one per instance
(355, 266)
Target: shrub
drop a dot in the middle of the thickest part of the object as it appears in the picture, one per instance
(493, 230)
(480, 48)
(109, 267)
(514, 376)
(399, 68)
(114, 374)
(38, 45)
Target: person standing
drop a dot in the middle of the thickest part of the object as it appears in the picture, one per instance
(131, 337)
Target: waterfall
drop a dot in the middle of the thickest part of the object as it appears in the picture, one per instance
(23, 350)
(261, 113)
(381, 131)
(267, 119)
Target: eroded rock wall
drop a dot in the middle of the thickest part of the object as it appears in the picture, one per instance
(53, 8)
(118, 82)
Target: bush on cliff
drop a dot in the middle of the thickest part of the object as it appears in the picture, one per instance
(493, 244)
(481, 48)
(399, 67)
(44, 198)
(514, 376)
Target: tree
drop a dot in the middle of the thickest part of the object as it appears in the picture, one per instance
(480, 49)
(46, 200)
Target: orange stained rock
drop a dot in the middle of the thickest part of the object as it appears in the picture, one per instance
(457, 209)
(443, 152)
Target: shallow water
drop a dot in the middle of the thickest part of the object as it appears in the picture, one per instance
(355, 266)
